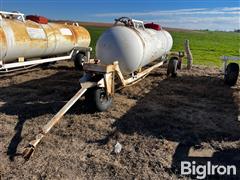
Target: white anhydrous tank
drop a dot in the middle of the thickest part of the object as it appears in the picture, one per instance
(132, 48)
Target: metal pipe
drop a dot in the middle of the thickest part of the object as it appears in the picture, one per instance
(34, 62)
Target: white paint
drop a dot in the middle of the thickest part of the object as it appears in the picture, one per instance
(66, 32)
(132, 48)
(36, 33)
(34, 62)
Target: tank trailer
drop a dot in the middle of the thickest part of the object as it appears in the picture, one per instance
(32, 40)
(122, 53)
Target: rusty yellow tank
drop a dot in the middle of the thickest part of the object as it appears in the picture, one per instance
(29, 39)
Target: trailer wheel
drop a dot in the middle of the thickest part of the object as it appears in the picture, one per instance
(179, 65)
(172, 67)
(78, 61)
(97, 99)
(231, 74)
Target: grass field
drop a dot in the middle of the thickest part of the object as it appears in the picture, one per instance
(206, 46)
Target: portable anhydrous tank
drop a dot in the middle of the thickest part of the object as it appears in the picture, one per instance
(35, 37)
(133, 45)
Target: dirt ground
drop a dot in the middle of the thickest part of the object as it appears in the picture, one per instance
(159, 122)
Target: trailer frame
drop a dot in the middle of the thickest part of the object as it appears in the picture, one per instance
(97, 75)
(26, 63)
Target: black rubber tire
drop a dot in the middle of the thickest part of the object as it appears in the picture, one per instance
(78, 61)
(172, 67)
(231, 74)
(179, 65)
(97, 100)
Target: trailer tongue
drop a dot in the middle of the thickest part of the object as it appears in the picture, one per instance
(28, 151)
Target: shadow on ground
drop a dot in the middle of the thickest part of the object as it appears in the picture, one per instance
(38, 97)
(189, 110)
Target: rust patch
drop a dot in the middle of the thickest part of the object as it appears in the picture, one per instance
(38, 43)
(32, 24)
(82, 35)
(3, 40)
(19, 30)
(71, 38)
(51, 31)
(21, 35)
(57, 27)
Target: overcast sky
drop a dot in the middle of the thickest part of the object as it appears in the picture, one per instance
(191, 14)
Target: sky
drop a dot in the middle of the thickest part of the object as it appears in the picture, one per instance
(190, 14)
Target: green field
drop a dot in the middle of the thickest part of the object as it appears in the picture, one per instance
(206, 46)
